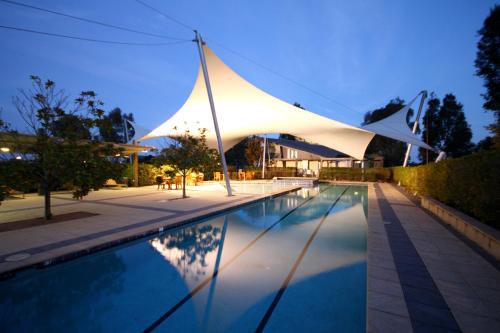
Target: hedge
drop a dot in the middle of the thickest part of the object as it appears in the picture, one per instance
(147, 174)
(471, 184)
(356, 174)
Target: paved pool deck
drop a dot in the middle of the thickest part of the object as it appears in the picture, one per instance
(421, 276)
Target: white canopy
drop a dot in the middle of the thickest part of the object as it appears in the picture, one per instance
(244, 110)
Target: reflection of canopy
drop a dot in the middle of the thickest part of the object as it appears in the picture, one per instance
(244, 110)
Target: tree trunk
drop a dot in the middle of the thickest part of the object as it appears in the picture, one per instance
(46, 193)
(184, 186)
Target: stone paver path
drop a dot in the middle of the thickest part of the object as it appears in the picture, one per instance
(435, 284)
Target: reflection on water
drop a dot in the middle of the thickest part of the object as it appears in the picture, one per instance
(188, 248)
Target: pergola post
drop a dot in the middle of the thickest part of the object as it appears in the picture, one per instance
(199, 43)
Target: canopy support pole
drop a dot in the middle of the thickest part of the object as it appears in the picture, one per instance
(264, 159)
(415, 125)
(199, 43)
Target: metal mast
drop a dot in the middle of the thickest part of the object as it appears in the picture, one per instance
(415, 125)
(264, 158)
(199, 43)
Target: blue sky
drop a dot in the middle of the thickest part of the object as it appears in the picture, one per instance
(359, 53)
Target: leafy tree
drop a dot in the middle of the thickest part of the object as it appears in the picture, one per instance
(432, 132)
(235, 156)
(62, 151)
(488, 67)
(485, 144)
(457, 135)
(393, 151)
(187, 154)
(111, 126)
(253, 152)
(446, 128)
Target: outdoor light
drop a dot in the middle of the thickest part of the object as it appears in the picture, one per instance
(117, 155)
(19, 158)
(5, 149)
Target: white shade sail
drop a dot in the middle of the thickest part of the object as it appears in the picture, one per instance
(244, 110)
(395, 127)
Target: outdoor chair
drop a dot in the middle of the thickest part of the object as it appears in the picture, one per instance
(200, 177)
(178, 182)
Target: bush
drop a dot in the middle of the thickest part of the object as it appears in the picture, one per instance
(471, 184)
(356, 174)
(147, 174)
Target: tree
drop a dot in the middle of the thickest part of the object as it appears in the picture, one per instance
(488, 67)
(235, 156)
(392, 150)
(187, 154)
(485, 144)
(62, 151)
(111, 126)
(446, 128)
(253, 152)
(457, 134)
(432, 132)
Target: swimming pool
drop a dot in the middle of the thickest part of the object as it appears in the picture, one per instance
(244, 187)
(293, 263)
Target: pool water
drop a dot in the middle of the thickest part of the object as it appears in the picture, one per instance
(244, 187)
(293, 263)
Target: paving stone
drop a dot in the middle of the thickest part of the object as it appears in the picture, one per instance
(384, 322)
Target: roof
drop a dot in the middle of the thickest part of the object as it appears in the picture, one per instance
(320, 150)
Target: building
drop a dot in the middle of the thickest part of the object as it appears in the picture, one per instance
(310, 158)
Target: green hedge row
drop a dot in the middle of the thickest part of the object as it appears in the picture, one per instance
(356, 174)
(471, 184)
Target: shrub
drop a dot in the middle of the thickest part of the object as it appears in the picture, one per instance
(356, 174)
(147, 174)
(470, 183)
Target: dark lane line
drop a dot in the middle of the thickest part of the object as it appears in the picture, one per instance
(205, 282)
(427, 308)
(296, 264)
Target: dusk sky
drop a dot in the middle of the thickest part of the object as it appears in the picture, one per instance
(358, 53)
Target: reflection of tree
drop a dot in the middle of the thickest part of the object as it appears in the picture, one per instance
(188, 248)
(69, 297)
